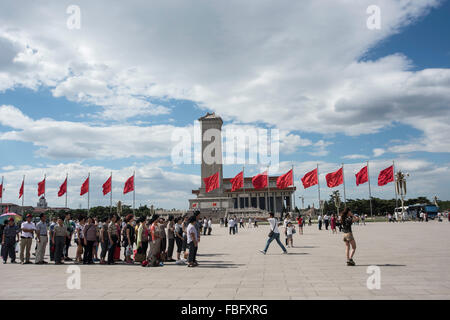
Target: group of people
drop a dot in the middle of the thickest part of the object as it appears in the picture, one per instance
(149, 242)
(346, 219)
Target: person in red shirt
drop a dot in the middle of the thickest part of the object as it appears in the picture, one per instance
(300, 224)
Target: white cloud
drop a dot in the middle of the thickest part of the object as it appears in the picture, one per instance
(378, 152)
(355, 156)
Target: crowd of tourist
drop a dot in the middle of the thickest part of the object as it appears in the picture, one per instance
(150, 242)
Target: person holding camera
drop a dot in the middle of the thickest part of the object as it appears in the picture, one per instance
(347, 219)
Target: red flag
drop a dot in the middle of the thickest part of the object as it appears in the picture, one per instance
(1, 190)
(260, 180)
(7, 209)
(238, 181)
(41, 187)
(107, 186)
(335, 178)
(85, 187)
(386, 176)
(285, 180)
(211, 182)
(21, 189)
(62, 189)
(362, 176)
(129, 185)
(310, 179)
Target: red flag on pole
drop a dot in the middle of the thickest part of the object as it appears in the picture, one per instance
(85, 187)
(41, 187)
(62, 189)
(335, 179)
(1, 190)
(386, 176)
(362, 176)
(285, 180)
(260, 180)
(238, 181)
(129, 185)
(107, 186)
(21, 189)
(310, 179)
(211, 182)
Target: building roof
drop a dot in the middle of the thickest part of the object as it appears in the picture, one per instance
(210, 116)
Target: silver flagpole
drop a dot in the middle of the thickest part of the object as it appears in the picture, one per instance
(110, 201)
(370, 192)
(1, 198)
(67, 186)
(243, 184)
(23, 195)
(89, 189)
(343, 180)
(268, 190)
(293, 184)
(134, 192)
(45, 182)
(318, 187)
(395, 184)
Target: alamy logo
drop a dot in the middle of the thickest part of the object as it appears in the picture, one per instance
(74, 20)
(74, 280)
(374, 20)
(374, 280)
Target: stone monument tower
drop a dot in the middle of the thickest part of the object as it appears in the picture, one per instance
(211, 135)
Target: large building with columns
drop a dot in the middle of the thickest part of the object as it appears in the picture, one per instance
(246, 200)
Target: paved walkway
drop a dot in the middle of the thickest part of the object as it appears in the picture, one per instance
(413, 257)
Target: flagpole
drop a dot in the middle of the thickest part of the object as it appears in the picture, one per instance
(23, 194)
(395, 184)
(110, 201)
(293, 182)
(67, 186)
(343, 180)
(134, 192)
(268, 189)
(243, 182)
(1, 198)
(370, 192)
(45, 177)
(89, 189)
(318, 187)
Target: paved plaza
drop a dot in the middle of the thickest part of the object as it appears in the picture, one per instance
(413, 258)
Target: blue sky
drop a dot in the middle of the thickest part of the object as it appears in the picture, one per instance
(108, 96)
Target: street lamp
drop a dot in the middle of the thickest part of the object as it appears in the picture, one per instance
(303, 202)
(400, 186)
(337, 200)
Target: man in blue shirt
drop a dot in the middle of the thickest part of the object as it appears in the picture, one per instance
(10, 233)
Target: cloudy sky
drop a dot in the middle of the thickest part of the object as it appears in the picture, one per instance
(107, 96)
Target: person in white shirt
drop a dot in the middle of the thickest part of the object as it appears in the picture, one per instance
(290, 230)
(192, 241)
(209, 226)
(274, 234)
(231, 223)
(319, 220)
(249, 222)
(27, 229)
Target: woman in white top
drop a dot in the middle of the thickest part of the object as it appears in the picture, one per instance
(274, 234)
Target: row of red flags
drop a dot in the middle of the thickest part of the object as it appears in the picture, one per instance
(107, 187)
(310, 179)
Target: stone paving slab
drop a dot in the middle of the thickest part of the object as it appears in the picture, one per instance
(413, 260)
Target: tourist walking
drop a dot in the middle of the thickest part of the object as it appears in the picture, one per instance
(26, 238)
(209, 226)
(192, 240)
(231, 226)
(52, 245)
(104, 240)
(170, 238)
(179, 239)
(319, 222)
(290, 230)
(10, 237)
(333, 223)
(60, 235)
(274, 234)
(347, 219)
(300, 222)
(205, 226)
(129, 238)
(235, 223)
(42, 239)
(79, 238)
(113, 239)
(326, 221)
(249, 223)
(90, 236)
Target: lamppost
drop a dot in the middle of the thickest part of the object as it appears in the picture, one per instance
(400, 187)
(303, 202)
(337, 200)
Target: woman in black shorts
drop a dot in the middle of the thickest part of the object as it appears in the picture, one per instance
(347, 219)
